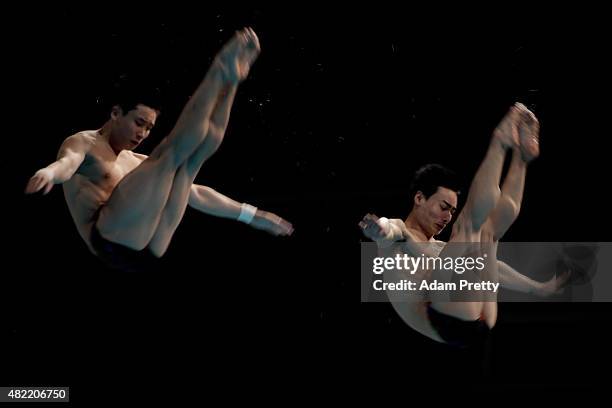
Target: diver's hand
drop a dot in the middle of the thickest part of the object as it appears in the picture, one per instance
(554, 286)
(41, 180)
(373, 228)
(271, 223)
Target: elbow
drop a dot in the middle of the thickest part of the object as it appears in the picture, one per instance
(193, 196)
(511, 208)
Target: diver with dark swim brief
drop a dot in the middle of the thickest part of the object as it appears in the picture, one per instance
(488, 213)
(126, 206)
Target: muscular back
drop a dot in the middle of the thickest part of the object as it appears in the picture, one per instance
(95, 179)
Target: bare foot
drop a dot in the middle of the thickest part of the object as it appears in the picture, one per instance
(237, 56)
(529, 135)
(506, 131)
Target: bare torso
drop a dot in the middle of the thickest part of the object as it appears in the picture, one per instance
(96, 178)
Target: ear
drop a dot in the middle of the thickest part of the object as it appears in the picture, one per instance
(116, 112)
(419, 198)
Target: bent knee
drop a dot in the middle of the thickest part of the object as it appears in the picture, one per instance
(157, 248)
(212, 142)
(510, 209)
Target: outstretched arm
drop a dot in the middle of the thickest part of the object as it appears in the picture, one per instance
(69, 158)
(511, 279)
(385, 232)
(211, 202)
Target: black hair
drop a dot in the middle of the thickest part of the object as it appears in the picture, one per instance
(429, 177)
(128, 93)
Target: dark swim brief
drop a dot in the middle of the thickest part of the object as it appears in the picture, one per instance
(457, 332)
(120, 257)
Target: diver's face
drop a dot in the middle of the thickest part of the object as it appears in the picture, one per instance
(436, 211)
(131, 128)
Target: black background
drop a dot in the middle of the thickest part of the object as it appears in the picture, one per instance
(338, 111)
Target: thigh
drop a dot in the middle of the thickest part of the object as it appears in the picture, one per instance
(132, 212)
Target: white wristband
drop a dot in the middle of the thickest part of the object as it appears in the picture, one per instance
(247, 213)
